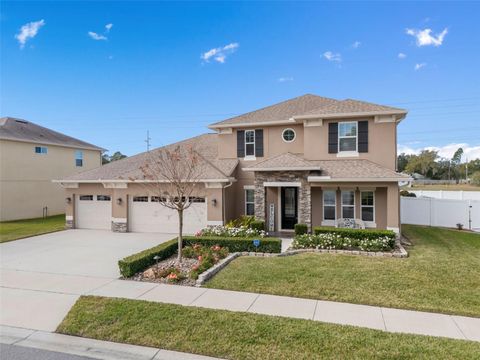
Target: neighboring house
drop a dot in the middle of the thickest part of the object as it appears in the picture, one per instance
(309, 160)
(32, 156)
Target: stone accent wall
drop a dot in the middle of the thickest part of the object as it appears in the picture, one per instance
(68, 224)
(304, 193)
(119, 227)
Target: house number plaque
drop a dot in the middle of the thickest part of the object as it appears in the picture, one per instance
(271, 218)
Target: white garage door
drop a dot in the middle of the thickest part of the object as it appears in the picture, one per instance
(93, 212)
(146, 215)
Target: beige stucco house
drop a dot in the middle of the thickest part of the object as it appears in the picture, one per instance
(32, 156)
(309, 160)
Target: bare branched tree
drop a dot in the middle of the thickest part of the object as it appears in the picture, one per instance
(172, 176)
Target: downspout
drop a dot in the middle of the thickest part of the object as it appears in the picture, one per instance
(223, 200)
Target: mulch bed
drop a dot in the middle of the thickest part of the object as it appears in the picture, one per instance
(154, 273)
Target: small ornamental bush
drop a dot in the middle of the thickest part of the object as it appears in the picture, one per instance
(330, 241)
(407, 193)
(244, 220)
(258, 225)
(301, 229)
(206, 256)
(355, 233)
(225, 231)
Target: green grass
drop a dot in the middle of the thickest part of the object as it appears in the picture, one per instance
(236, 335)
(449, 187)
(19, 229)
(442, 274)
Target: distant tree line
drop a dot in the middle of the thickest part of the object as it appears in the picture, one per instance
(430, 165)
(117, 155)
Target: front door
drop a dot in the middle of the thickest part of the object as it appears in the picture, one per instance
(289, 207)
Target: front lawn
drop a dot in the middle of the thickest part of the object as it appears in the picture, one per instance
(19, 229)
(237, 335)
(442, 274)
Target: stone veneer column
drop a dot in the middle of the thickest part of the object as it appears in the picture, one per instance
(259, 198)
(305, 204)
(119, 226)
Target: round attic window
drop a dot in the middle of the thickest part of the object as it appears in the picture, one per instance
(288, 135)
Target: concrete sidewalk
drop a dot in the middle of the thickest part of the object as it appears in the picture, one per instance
(90, 348)
(23, 295)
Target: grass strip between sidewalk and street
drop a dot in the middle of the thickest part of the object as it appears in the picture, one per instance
(19, 229)
(239, 335)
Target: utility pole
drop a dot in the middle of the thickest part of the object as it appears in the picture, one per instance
(148, 140)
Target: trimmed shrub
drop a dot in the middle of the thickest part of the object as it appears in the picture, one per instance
(226, 231)
(301, 229)
(132, 264)
(355, 233)
(135, 263)
(333, 241)
(258, 225)
(268, 245)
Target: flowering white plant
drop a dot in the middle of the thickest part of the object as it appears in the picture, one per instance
(241, 231)
(331, 241)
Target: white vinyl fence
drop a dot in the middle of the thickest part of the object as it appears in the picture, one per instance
(448, 194)
(440, 212)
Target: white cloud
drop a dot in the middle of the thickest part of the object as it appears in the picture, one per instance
(219, 54)
(402, 55)
(356, 44)
(446, 151)
(426, 38)
(419, 66)
(330, 56)
(285, 79)
(108, 27)
(28, 31)
(96, 36)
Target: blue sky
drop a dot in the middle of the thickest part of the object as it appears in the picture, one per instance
(173, 68)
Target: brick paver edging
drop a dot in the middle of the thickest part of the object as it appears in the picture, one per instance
(399, 252)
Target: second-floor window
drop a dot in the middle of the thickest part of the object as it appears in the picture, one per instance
(41, 150)
(347, 136)
(79, 158)
(249, 142)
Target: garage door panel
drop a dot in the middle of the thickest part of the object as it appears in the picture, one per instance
(93, 214)
(154, 217)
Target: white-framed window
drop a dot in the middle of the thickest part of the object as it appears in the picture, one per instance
(41, 150)
(348, 204)
(288, 135)
(140, 199)
(249, 202)
(249, 142)
(78, 158)
(86, 197)
(347, 136)
(329, 205)
(367, 205)
(103, 198)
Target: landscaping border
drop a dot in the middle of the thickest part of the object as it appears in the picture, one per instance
(399, 252)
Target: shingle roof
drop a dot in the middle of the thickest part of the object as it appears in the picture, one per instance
(356, 169)
(353, 106)
(22, 130)
(306, 105)
(281, 111)
(285, 161)
(128, 168)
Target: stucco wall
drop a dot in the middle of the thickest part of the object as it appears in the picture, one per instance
(26, 178)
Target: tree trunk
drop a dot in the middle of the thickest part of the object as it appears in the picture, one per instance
(180, 235)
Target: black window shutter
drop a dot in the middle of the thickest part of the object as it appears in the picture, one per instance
(240, 143)
(259, 142)
(332, 138)
(363, 136)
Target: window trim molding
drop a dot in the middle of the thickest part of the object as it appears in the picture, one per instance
(249, 157)
(370, 223)
(41, 152)
(353, 205)
(294, 135)
(79, 157)
(249, 202)
(334, 205)
(347, 152)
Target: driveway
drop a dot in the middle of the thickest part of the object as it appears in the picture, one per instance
(41, 277)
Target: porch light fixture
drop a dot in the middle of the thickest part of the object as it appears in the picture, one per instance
(68, 200)
(214, 202)
(119, 201)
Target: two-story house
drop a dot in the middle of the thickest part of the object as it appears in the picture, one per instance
(309, 160)
(31, 156)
